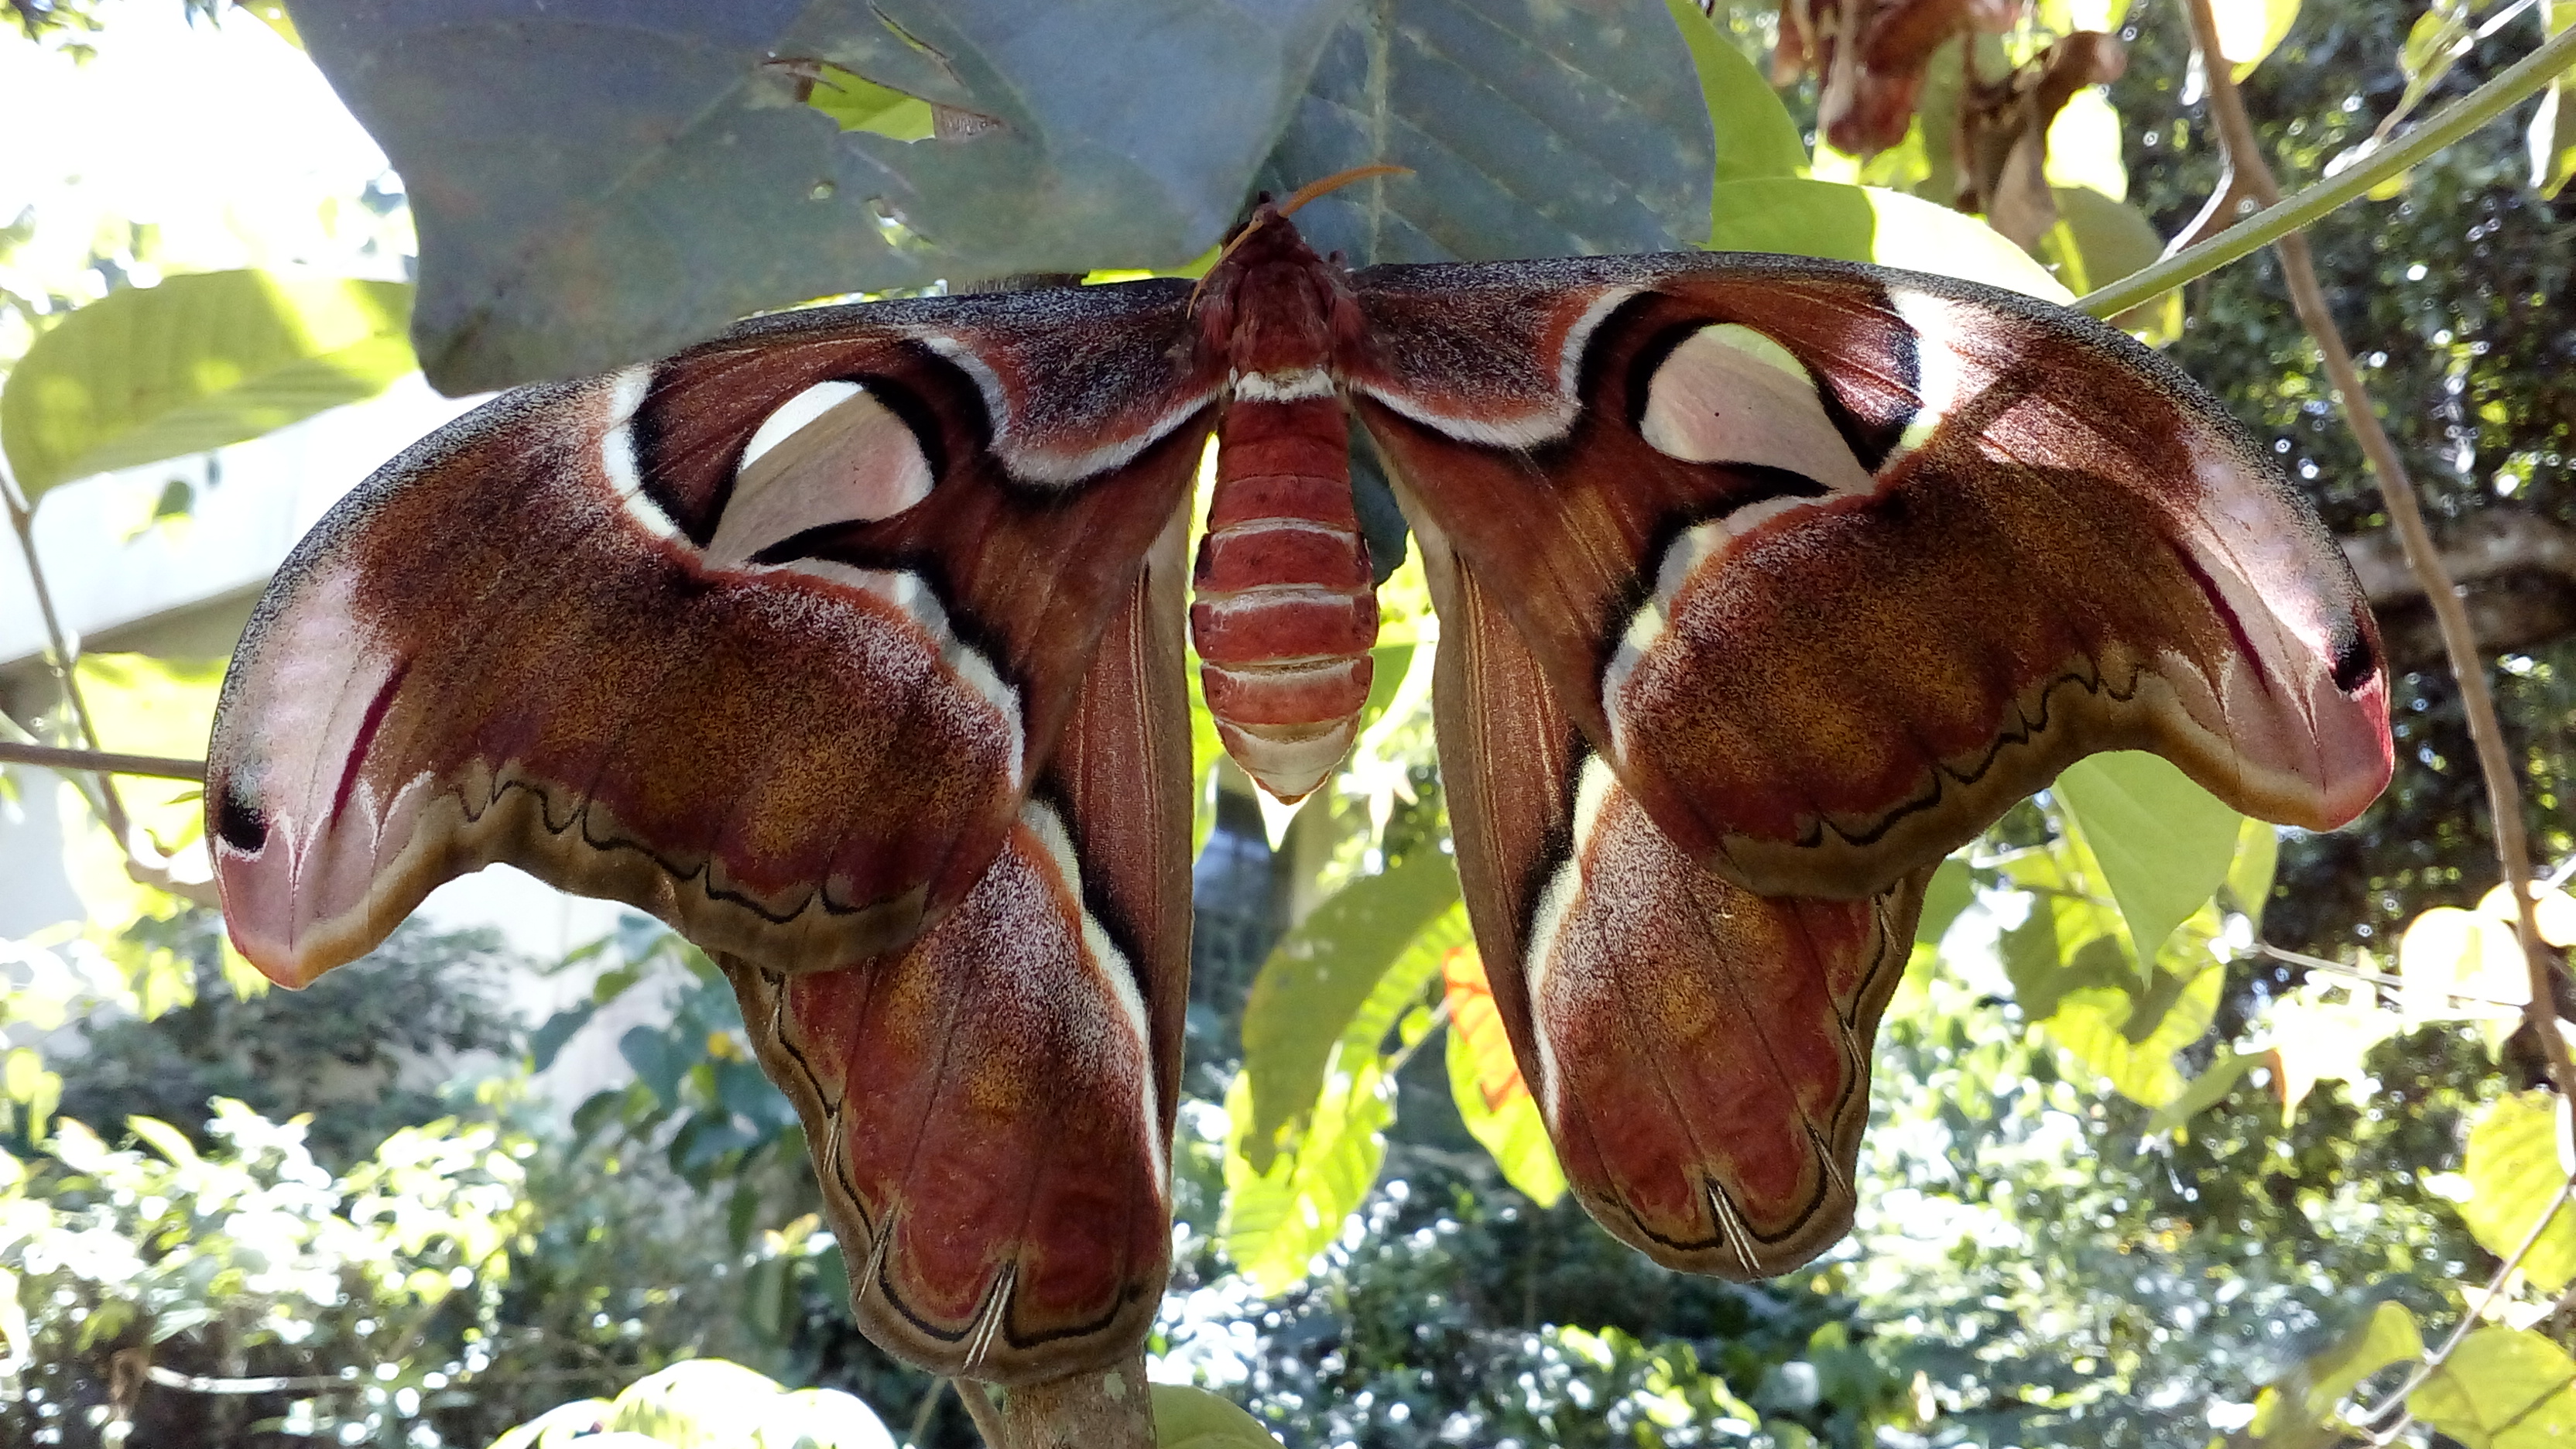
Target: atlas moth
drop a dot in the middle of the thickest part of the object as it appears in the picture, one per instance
(851, 645)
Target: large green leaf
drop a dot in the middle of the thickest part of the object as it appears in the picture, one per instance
(2101, 1027)
(597, 182)
(2517, 1165)
(2502, 1388)
(2163, 842)
(2249, 875)
(1313, 988)
(2299, 1411)
(1756, 136)
(1533, 129)
(678, 184)
(195, 363)
(1287, 1194)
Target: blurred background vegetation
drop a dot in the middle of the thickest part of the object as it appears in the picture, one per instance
(2233, 1186)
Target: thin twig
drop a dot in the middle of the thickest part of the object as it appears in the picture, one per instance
(2374, 978)
(921, 1417)
(1396, 1063)
(105, 762)
(2459, 641)
(22, 520)
(2279, 218)
(283, 1384)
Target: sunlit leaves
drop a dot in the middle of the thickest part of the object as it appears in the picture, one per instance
(2462, 964)
(2502, 1388)
(144, 705)
(706, 1403)
(2163, 842)
(2321, 1031)
(1319, 981)
(2248, 30)
(2071, 959)
(1277, 1219)
(2300, 1410)
(193, 364)
(2096, 242)
(2518, 1163)
(2552, 135)
(858, 104)
(1291, 1179)
(1485, 1081)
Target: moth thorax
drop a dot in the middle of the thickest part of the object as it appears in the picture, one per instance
(1285, 610)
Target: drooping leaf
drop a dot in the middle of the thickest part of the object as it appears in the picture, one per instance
(197, 362)
(2518, 1162)
(2163, 842)
(1869, 58)
(2005, 129)
(2223, 1074)
(1485, 1081)
(2502, 1388)
(1320, 976)
(2299, 1410)
(1533, 129)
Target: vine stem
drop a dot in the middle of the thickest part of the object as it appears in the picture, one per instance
(102, 762)
(2280, 218)
(2247, 166)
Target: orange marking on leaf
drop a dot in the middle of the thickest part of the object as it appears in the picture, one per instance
(1473, 1016)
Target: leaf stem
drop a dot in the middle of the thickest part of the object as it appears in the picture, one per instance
(2247, 167)
(2280, 218)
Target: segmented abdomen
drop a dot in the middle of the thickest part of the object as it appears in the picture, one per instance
(1283, 609)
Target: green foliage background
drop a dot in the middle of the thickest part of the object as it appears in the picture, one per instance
(2096, 1210)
